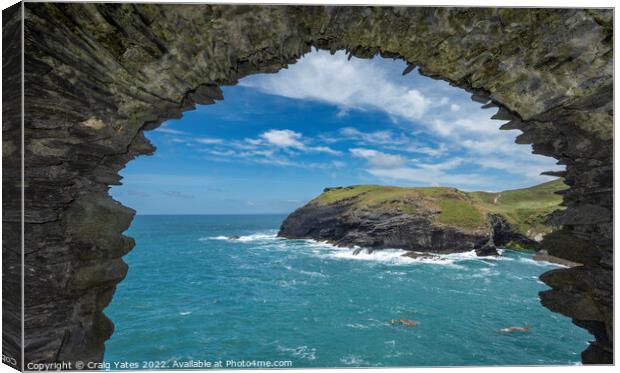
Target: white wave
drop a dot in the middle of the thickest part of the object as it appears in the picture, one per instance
(540, 263)
(184, 313)
(462, 292)
(354, 360)
(307, 273)
(290, 283)
(326, 245)
(213, 238)
(247, 238)
(467, 255)
(503, 257)
(327, 250)
(396, 273)
(302, 352)
(389, 256)
(481, 273)
(313, 274)
(358, 326)
(394, 256)
(471, 255)
(258, 237)
(437, 261)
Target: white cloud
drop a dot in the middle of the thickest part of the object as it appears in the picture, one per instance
(253, 141)
(165, 129)
(274, 147)
(357, 83)
(523, 167)
(208, 140)
(388, 140)
(427, 150)
(338, 164)
(441, 166)
(221, 153)
(473, 126)
(432, 122)
(435, 174)
(372, 138)
(293, 140)
(177, 194)
(377, 158)
(283, 138)
(324, 149)
(420, 176)
(253, 153)
(446, 173)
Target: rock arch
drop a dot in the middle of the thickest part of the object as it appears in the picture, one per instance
(97, 75)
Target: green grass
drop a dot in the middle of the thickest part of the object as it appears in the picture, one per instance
(459, 213)
(525, 208)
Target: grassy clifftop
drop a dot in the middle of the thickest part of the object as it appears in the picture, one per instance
(524, 208)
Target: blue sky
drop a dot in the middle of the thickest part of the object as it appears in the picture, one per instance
(277, 140)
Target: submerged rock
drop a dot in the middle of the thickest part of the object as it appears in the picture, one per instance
(417, 255)
(405, 322)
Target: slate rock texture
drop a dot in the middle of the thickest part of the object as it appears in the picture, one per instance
(98, 75)
(342, 224)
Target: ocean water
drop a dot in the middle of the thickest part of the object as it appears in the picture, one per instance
(191, 294)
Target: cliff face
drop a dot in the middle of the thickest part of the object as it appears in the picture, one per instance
(437, 220)
(97, 75)
(369, 229)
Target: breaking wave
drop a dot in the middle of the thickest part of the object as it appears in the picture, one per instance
(327, 250)
(247, 238)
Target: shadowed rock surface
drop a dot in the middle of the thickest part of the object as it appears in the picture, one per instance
(543, 256)
(98, 75)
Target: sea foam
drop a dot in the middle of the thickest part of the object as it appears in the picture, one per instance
(327, 250)
(246, 238)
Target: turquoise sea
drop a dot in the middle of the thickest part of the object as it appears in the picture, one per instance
(193, 295)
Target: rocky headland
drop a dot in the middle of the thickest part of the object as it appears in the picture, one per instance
(426, 220)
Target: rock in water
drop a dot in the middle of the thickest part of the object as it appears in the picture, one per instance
(417, 255)
(430, 220)
(488, 249)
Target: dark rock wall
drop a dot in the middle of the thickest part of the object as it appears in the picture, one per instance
(98, 75)
(11, 186)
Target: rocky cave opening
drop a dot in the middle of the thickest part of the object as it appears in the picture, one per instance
(213, 132)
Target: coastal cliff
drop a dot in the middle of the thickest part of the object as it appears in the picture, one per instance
(434, 220)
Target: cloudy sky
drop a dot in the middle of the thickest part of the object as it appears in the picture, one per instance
(277, 140)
